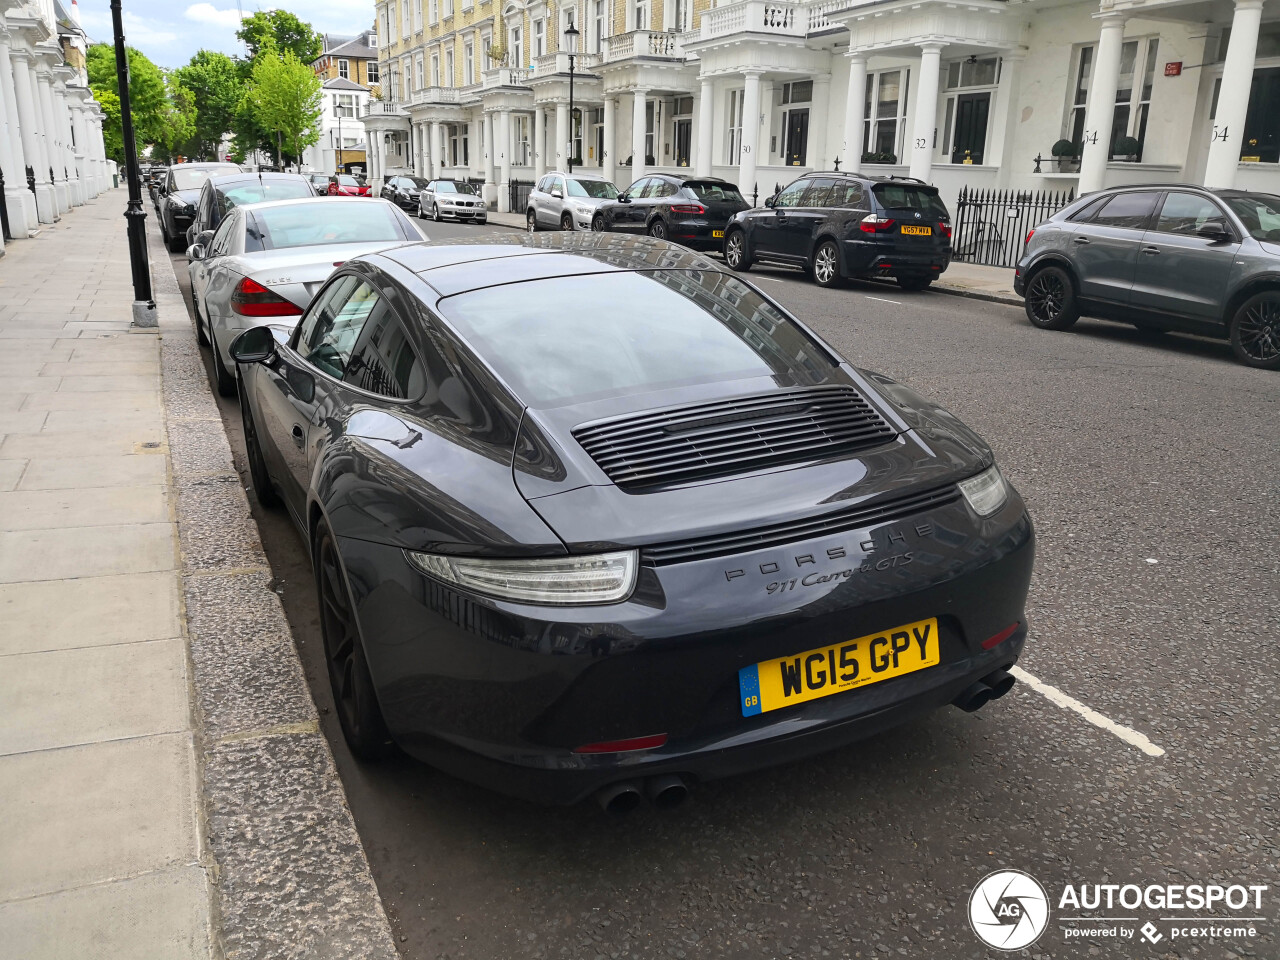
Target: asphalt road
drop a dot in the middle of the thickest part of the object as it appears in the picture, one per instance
(1150, 464)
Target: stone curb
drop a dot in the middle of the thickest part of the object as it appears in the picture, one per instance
(290, 876)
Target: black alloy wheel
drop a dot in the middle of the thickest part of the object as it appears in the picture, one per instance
(354, 698)
(597, 223)
(1255, 331)
(658, 230)
(1050, 300)
(422, 213)
(735, 251)
(223, 378)
(566, 221)
(262, 487)
(826, 264)
(531, 221)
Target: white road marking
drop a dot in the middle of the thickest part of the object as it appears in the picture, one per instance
(882, 299)
(1067, 702)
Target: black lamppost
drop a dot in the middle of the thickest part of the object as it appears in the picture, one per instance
(571, 47)
(144, 304)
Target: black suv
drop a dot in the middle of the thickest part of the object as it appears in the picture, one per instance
(403, 192)
(691, 211)
(838, 225)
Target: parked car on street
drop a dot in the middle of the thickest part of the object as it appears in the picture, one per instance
(567, 201)
(267, 260)
(155, 179)
(221, 194)
(319, 182)
(841, 225)
(1162, 257)
(179, 192)
(403, 191)
(441, 199)
(345, 185)
(566, 552)
(691, 211)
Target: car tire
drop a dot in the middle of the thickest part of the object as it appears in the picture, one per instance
(826, 264)
(1255, 331)
(177, 244)
(258, 476)
(223, 379)
(354, 698)
(202, 338)
(736, 254)
(435, 212)
(422, 214)
(914, 283)
(566, 221)
(1050, 300)
(597, 224)
(531, 221)
(658, 230)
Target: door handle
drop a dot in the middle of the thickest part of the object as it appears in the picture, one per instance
(1080, 239)
(1151, 250)
(298, 436)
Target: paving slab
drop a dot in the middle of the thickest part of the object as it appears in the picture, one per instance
(131, 383)
(62, 698)
(121, 401)
(97, 812)
(85, 552)
(11, 472)
(102, 368)
(49, 509)
(162, 915)
(14, 422)
(91, 472)
(33, 384)
(78, 444)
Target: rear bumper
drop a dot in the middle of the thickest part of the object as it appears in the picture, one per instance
(864, 258)
(500, 694)
(698, 234)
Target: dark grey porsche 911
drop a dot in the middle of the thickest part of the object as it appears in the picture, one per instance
(591, 515)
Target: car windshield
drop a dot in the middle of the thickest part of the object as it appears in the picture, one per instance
(644, 331)
(595, 189)
(417, 182)
(1260, 214)
(308, 224)
(348, 181)
(189, 179)
(906, 196)
(261, 190)
(715, 192)
(452, 186)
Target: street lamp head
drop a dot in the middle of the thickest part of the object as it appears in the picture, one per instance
(571, 39)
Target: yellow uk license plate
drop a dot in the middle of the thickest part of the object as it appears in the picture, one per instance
(718, 234)
(774, 684)
(917, 231)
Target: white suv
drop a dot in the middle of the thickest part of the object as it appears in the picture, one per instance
(567, 201)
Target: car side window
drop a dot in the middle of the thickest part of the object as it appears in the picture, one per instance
(818, 193)
(221, 242)
(328, 333)
(1128, 210)
(1185, 213)
(636, 190)
(667, 189)
(791, 195)
(384, 361)
(846, 193)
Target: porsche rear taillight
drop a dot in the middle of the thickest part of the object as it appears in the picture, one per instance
(695, 208)
(875, 224)
(252, 299)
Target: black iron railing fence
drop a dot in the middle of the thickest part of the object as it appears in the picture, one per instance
(519, 195)
(991, 225)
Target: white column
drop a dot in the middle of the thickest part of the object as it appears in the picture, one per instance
(1006, 102)
(1233, 98)
(705, 128)
(62, 108)
(819, 156)
(855, 110)
(539, 142)
(926, 115)
(503, 131)
(610, 159)
(637, 134)
(1100, 109)
(439, 151)
(32, 142)
(76, 114)
(750, 136)
(53, 144)
(561, 135)
(764, 156)
(490, 154)
(21, 204)
(661, 111)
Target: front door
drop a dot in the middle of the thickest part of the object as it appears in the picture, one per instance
(797, 138)
(971, 127)
(1262, 123)
(684, 142)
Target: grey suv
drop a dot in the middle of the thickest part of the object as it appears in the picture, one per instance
(1162, 257)
(566, 201)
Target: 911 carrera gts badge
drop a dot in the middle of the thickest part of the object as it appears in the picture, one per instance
(782, 567)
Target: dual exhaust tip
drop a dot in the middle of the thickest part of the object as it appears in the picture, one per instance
(978, 694)
(665, 792)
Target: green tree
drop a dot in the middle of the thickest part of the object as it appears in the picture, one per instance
(178, 135)
(147, 94)
(284, 97)
(112, 132)
(283, 31)
(215, 82)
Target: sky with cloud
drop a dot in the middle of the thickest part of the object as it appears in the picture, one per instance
(170, 32)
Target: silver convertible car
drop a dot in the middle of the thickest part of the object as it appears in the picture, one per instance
(267, 260)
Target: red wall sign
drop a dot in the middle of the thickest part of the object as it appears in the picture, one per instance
(1173, 69)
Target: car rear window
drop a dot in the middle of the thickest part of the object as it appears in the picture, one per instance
(715, 192)
(643, 331)
(1127, 210)
(907, 196)
(308, 224)
(190, 178)
(259, 192)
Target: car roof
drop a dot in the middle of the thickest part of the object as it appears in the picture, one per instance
(327, 202)
(205, 165)
(473, 263)
(577, 176)
(252, 177)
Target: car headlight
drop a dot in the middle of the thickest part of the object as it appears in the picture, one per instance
(601, 578)
(986, 492)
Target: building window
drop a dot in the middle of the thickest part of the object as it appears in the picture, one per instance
(469, 63)
(371, 71)
(448, 68)
(886, 108)
(419, 80)
(969, 85)
(539, 37)
(417, 16)
(406, 76)
(434, 11)
(344, 105)
(515, 47)
(447, 8)
(733, 146)
(435, 69)
(521, 152)
(467, 4)
(344, 69)
(406, 24)
(640, 14)
(458, 145)
(1133, 95)
(794, 149)
(600, 18)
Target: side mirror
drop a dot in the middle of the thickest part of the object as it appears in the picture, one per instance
(196, 251)
(557, 193)
(768, 202)
(1214, 228)
(255, 345)
(623, 198)
(204, 238)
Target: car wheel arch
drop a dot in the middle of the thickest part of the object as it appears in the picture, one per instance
(1249, 288)
(1054, 260)
(821, 238)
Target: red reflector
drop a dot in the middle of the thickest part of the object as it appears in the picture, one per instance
(1030, 233)
(338, 263)
(622, 746)
(1001, 637)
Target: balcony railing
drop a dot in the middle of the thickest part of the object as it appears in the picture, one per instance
(553, 63)
(644, 43)
(435, 95)
(384, 108)
(505, 77)
(759, 16)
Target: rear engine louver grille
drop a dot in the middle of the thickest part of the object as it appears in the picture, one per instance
(689, 444)
(855, 518)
